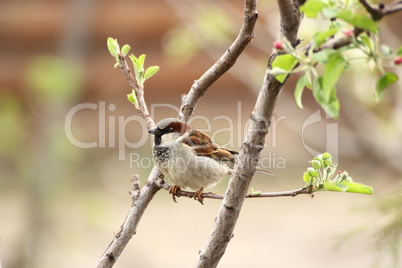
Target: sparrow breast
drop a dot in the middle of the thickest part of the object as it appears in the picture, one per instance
(188, 157)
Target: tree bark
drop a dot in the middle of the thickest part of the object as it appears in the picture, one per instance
(250, 151)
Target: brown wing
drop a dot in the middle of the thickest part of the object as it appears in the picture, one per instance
(205, 146)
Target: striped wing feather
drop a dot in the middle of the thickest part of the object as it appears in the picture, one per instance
(205, 146)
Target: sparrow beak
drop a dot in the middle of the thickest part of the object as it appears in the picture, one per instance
(155, 131)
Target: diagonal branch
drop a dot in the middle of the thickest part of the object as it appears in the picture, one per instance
(245, 168)
(375, 13)
(290, 20)
(382, 10)
(227, 60)
(392, 8)
(141, 199)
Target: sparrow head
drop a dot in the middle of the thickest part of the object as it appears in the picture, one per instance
(168, 125)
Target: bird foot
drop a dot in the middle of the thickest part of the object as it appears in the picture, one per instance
(198, 197)
(173, 191)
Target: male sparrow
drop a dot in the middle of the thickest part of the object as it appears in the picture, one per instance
(189, 157)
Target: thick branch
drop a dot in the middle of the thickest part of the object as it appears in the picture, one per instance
(227, 60)
(244, 169)
(129, 227)
(254, 142)
(375, 13)
(241, 178)
(142, 200)
(290, 20)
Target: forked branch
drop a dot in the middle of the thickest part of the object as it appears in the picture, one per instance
(141, 200)
(245, 168)
(227, 60)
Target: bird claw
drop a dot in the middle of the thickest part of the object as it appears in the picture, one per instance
(198, 197)
(173, 191)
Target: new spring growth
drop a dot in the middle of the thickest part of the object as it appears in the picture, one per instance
(141, 74)
(320, 177)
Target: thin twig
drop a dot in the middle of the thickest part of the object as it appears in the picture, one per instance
(140, 197)
(304, 190)
(392, 8)
(227, 60)
(382, 10)
(375, 13)
(139, 91)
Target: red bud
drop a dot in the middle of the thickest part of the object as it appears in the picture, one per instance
(278, 45)
(348, 33)
(398, 60)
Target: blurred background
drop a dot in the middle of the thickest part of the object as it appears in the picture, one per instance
(70, 141)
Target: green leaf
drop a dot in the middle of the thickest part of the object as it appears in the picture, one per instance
(299, 90)
(133, 60)
(328, 186)
(366, 41)
(399, 52)
(359, 188)
(140, 69)
(317, 91)
(326, 156)
(151, 71)
(320, 174)
(329, 13)
(285, 62)
(308, 80)
(306, 177)
(333, 70)
(278, 71)
(358, 20)
(255, 193)
(140, 62)
(346, 15)
(349, 187)
(365, 23)
(320, 37)
(113, 47)
(312, 8)
(125, 49)
(332, 107)
(132, 97)
(383, 82)
(323, 55)
(312, 172)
